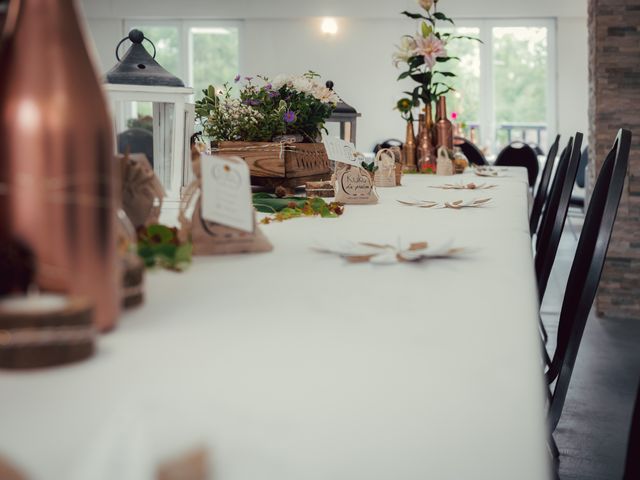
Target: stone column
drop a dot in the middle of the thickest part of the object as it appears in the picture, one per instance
(614, 102)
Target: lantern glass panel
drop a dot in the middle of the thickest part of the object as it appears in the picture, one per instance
(147, 127)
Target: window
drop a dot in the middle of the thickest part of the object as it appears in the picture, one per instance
(505, 86)
(201, 53)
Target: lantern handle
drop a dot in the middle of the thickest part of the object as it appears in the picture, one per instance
(136, 36)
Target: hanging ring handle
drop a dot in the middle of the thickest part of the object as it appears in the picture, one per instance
(136, 36)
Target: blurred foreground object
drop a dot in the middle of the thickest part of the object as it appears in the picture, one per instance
(57, 170)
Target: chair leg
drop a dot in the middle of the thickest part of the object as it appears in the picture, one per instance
(543, 331)
(553, 449)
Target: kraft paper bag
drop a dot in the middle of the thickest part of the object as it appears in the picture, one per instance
(354, 185)
(210, 238)
(142, 191)
(385, 176)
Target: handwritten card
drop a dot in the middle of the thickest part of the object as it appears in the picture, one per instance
(342, 151)
(226, 192)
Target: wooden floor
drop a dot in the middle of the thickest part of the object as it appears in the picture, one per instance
(592, 433)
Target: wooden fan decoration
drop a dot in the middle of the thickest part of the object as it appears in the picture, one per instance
(464, 186)
(210, 238)
(386, 254)
(455, 205)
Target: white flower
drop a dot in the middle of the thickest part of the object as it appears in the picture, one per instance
(404, 50)
(324, 94)
(280, 81)
(426, 4)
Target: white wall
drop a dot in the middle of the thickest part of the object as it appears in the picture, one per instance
(284, 36)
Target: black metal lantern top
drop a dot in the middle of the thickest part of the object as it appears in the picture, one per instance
(137, 67)
(342, 109)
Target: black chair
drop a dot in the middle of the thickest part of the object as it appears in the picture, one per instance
(577, 200)
(586, 269)
(137, 140)
(555, 213)
(392, 142)
(632, 466)
(519, 154)
(471, 151)
(543, 187)
(536, 148)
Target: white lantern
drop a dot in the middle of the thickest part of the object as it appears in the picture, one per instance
(152, 114)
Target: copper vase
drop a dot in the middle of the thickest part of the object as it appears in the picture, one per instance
(426, 150)
(444, 128)
(56, 155)
(409, 149)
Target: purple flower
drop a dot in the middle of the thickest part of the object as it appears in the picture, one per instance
(273, 94)
(289, 116)
(268, 86)
(248, 79)
(237, 79)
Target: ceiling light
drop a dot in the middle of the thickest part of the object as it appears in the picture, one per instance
(329, 26)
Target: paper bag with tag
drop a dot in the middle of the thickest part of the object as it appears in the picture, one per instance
(354, 185)
(142, 192)
(217, 210)
(385, 176)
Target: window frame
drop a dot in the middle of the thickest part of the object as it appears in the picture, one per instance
(485, 26)
(185, 49)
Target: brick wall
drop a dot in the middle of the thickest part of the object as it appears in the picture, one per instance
(614, 102)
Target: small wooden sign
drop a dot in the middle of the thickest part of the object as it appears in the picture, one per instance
(354, 185)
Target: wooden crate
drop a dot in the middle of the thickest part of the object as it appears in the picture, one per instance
(278, 164)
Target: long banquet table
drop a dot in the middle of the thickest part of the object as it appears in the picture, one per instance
(294, 365)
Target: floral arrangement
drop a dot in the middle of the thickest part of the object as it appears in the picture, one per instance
(424, 55)
(288, 105)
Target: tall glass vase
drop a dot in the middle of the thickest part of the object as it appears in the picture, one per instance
(56, 155)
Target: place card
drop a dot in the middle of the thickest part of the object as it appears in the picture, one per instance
(342, 151)
(226, 192)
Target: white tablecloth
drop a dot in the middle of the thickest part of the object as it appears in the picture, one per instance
(294, 365)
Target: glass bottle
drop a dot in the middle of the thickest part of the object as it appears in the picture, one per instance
(56, 156)
(444, 129)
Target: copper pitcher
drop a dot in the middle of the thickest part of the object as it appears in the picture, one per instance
(58, 183)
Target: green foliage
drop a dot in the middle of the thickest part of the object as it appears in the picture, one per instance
(159, 245)
(286, 208)
(144, 122)
(369, 167)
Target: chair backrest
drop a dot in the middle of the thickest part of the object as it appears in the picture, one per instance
(543, 187)
(136, 140)
(520, 155)
(582, 168)
(586, 269)
(632, 466)
(471, 151)
(555, 214)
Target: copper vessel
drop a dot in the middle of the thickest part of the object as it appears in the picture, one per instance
(56, 155)
(444, 128)
(426, 149)
(409, 149)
